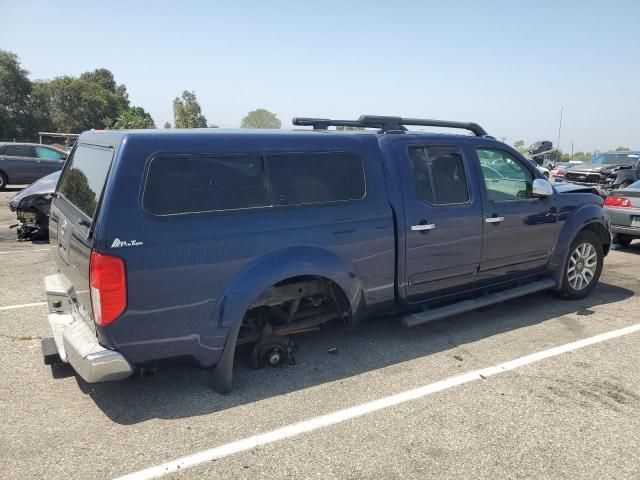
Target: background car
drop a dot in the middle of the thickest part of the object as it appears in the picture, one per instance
(610, 170)
(22, 163)
(543, 170)
(623, 207)
(556, 174)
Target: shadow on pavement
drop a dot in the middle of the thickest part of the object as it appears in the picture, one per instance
(634, 247)
(180, 391)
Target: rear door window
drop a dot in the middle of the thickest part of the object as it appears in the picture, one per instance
(19, 151)
(191, 184)
(308, 178)
(84, 177)
(438, 175)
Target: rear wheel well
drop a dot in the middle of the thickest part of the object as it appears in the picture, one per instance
(294, 305)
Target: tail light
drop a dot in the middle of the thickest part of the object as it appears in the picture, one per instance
(108, 281)
(617, 202)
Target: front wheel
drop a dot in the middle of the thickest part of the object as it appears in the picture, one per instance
(3, 181)
(583, 266)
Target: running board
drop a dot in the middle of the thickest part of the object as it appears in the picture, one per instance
(430, 315)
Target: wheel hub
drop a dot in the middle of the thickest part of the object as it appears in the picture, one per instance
(272, 351)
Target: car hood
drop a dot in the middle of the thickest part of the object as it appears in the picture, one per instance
(575, 188)
(44, 186)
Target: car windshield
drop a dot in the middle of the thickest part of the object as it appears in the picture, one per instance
(615, 159)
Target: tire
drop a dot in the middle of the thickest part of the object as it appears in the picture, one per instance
(3, 180)
(582, 269)
(622, 240)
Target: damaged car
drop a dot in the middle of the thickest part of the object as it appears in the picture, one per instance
(32, 206)
(608, 170)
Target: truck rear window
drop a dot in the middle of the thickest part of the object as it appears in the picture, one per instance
(191, 184)
(305, 178)
(84, 177)
(180, 184)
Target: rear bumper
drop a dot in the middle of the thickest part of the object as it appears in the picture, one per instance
(625, 230)
(75, 341)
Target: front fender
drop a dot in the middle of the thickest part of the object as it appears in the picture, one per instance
(584, 216)
(625, 175)
(262, 274)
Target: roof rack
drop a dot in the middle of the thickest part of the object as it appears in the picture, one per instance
(387, 124)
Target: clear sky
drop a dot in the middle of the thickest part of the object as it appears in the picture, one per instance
(508, 65)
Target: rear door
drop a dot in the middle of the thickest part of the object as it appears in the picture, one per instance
(442, 218)
(519, 229)
(20, 164)
(73, 211)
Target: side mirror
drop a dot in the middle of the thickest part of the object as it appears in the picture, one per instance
(542, 188)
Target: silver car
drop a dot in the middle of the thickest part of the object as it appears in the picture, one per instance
(623, 208)
(22, 163)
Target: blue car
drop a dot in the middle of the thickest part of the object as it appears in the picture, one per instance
(184, 244)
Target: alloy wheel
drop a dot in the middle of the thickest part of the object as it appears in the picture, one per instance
(582, 266)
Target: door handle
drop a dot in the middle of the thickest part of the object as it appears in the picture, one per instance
(494, 219)
(422, 227)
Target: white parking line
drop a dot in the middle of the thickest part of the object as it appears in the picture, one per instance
(21, 250)
(340, 416)
(22, 305)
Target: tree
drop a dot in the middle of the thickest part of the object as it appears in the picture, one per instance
(167, 125)
(134, 117)
(260, 118)
(91, 101)
(64, 104)
(39, 109)
(622, 149)
(102, 77)
(15, 92)
(187, 112)
(519, 145)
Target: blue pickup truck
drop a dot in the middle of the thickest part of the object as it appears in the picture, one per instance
(183, 244)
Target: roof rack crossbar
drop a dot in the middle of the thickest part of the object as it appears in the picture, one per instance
(387, 124)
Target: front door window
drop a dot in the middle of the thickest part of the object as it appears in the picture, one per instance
(505, 178)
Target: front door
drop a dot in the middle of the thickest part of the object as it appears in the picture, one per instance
(519, 229)
(442, 218)
(49, 161)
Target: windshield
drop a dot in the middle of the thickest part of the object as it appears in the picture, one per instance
(615, 159)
